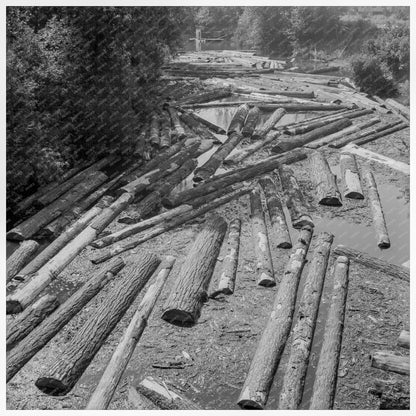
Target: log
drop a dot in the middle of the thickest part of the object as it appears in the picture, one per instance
(294, 94)
(141, 142)
(324, 386)
(43, 333)
(277, 216)
(66, 370)
(228, 104)
(373, 262)
(237, 122)
(325, 181)
(111, 377)
(20, 258)
(377, 211)
(255, 391)
(251, 122)
(303, 332)
(294, 199)
(377, 157)
(154, 132)
(178, 131)
(164, 398)
(264, 265)
(350, 176)
(165, 133)
(398, 108)
(324, 70)
(24, 295)
(32, 225)
(30, 319)
(184, 303)
(206, 96)
(211, 126)
(292, 108)
(53, 248)
(404, 339)
(139, 402)
(291, 143)
(260, 133)
(198, 128)
(387, 361)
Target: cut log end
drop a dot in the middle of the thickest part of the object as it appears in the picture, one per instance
(13, 306)
(179, 318)
(266, 280)
(332, 201)
(353, 195)
(14, 236)
(250, 404)
(284, 244)
(51, 386)
(384, 242)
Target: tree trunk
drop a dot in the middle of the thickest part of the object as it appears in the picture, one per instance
(148, 206)
(325, 181)
(111, 377)
(237, 122)
(377, 211)
(183, 306)
(294, 199)
(154, 132)
(303, 332)
(63, 374)
(140, 402)
(211, 126)
(43, 333)
(255, 391)
(30, 319)
(373, 262)
(387, 361)
(251, 122)
(404, 339)
(350, 177)
(20, 258)
(178, 132)
(198, 128)
(324, 386)
(277, 216)
(260, 133)
(206, 96)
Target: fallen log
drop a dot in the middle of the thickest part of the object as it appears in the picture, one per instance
(237, 122)
(165, 133)
(184, 303)
(326, 372)
(23, 254)
(198, 128)
(373, 262)
(324, 70)
(139, 402)
(294, 199)
(211, 126)
(350, 176)
(178, 131)
(325, 181)
(251, 122)
(398, 108)
(387, 361)
(255, 391)
(303, 332)
(291, 108)
(404, 339)
(52, 324)
(30, 319)
(294, 94)
(206, 96)
(377, 211)
(63, 374)
(154, 131)
(277, 216)
(111, 377)
(260, 133)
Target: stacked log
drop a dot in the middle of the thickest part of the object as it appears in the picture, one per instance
(239, 117)
(165, 132)
(23, 254)
(387, 361)
(260, 134)
(206, 96)
(255, 391)
(398, 108)
(197, 127)
(154, 131)
(211, 126)
(350, 176)
(178, 131)
(251, 122)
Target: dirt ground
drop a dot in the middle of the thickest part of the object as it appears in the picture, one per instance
(224, 340)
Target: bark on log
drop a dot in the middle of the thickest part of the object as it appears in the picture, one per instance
(260, 133)
(294, 199)
(23, 254)
(140, 146)
(398, 108)
(139, 402)
(255, 391)
(206, 96)
(277, 216)
(63, 374)
(198, 128)
(154, 132)
(404, 339)
(251, 122)
(325, 181)
(237, 122)
(377, 211)
(211, 126)
(387, 361)
(264, 265)
(324, 386)
(303, 332)
(43, 333)
(373, 262)
(183, 306)
(111, 377)
(165, 133)
(178, 132)
(350, 177)
(30, 319)
(33, 224)
(292, 108)
(291, 143)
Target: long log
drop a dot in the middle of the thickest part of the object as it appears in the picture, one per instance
(277, 216)
(387, 361)
(211, 126)
(398, 108)
(165, 132)
(206, 96)
(178, 131)
(294, 94)
(373, 262)
(264, 265)
(24, 295)
(197, 127)
(350, 176)
(255, 391)
(324, 386)
(23, 254)
(66, 370)
(237, 122)
(184, 303)
(325, 181)
(377, 211)
(291, 143)
(303, 332)
(43, 333)
(294, 199)
(251, 122)
(33, 224)
(140, 145)
(404, 339)
(30, 319)
(260, 133)
(111, 377)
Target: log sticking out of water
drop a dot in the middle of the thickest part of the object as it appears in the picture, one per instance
(260, 133)
(239, 117)
(350, 176)
(183, 306)
(326, 372)
(255, 391)
(404, 339)
(20, 257)
(251, 122)
(387, 361)
(63, 374)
